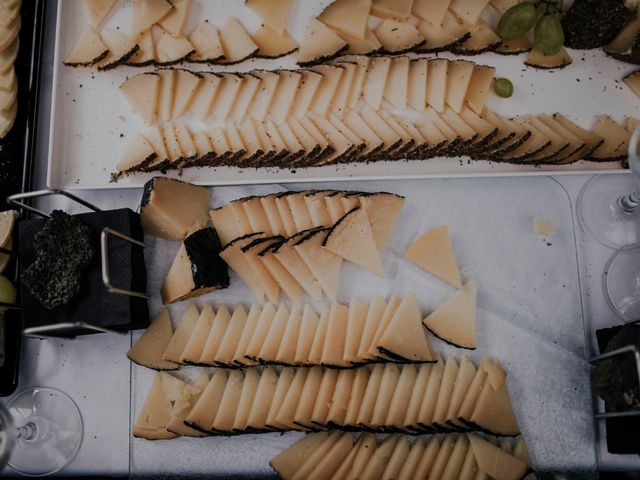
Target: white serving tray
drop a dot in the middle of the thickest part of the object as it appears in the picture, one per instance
(91, 120)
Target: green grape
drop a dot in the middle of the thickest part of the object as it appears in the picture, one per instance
(517, 21)
(548, 35)
(503, 87)
(7, 292)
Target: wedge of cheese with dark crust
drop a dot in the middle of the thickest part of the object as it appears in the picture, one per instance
(197, 268)
(616, 140)
(285, 95)
(223, 421)
(269, 348)
(237, 44)
(397, 85)
(272, 44)
(148, 349)
(181, 335)
(434, 253)
(183, 406)
(376, 81)
(479, 87)
(286, 350)
(444, 35)
(250, 85)
(205, 96)
(171, 50)
(146, 13)
(264, 397)
(287, 282)
(369, 45)
(348, 16)
(193, 350)
(206, 41)
(494, 461)
(251, 253)
(88, 50)
(142, 92)
(514, 46)
(146, 54)
(576, 144)
(155, 414)
(445, 392)
(287, 462)
(174, 22)
(368, 403)
(398, 37)
(320, 44)
(458, 83)
(323, 264)
(592, 140)
(288, 256)
(274, 13)
(482, 39)
(246, 400)
(430, 397)
(228, 345)
(285, 416)
(232, 254)
(121, 48)
(466, 375)
(537, 59)
(204, 411)
(437, 84)
(137, 154)
(161, 216)
(556, 144)
(98, 10)
(393, 9)
(264, 96)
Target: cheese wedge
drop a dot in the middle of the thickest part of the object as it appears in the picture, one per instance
(285, 280)
(418, 387)
(537, 59)
(410, 463)
(495, 462)
(466, 375)
(352, 239)
(332, 460)
(121, 48)
(398, 37)
(233, 256)
(417, 84)
(226, 96)
(493, 411)
(479, 87)
(434, 253)
(323, 397)
(187, 84)
(455, 320)
(315, 353)
(323, 264)
(226, 413)
(360, 384)
(98, 10)
(341, 99)
(237, 44)
(282, 387)
(304, 410)
(251, 253)
(355, 329)
(591, 139)
(293, 263)
(383, 210)
(391, 139)
(247, 398)
(193, 350)
(472, 394)
(390, 377)
(285, 95)
(262, 101)
(389, 312)
(308, 327)
(514, 46)
(273, 338)
(616, 140)
(225, 353)
(375, 313)
(443, 36)
(147, 13)
(204, 411)
(366, 447)
(482, 38)
(260, 332)
(369, 45)
(442, 457)
(137, 154)
(469, 466)
(372, 141)
(428, 459)
(212, 339)
(404, 338)
(307, 467)
(317, 208)
(285, 214)
(348, 16)
(88, 50)
(400, 401)
(331, 79)
(340, 399)
(437, 84)
(395, 9)
(287, 349)
(206, 41)
(239, 357)
(430, 396)
(272, 44)
(181, 336)
(205, 95)
(320, 43)
(455, 461)
(155, 414)
(274, 13)
(458, 81)
(263, 398)
(289, 461)
(469, 11)
(397, 459)
(146, 54)
(433, 11)
(8, 55)
(307, 88)
(334, 344)
(397, 85)
(183, 406)
(171, 50)
(174, 22)
(286, 413)
(343, 470)
(380, 458)
(368, 403)
(148, 349)
(256, 216)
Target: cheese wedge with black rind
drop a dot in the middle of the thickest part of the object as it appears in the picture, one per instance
(146, 54)
(228, 407)
(183, 406)
(148, 12)
(274, 13)
(247, 398)
(197, 268)
(212, 338)
(616, 141)
(121, 49)
(181, 335)
(163, 217)
(323, 397)
(273, 45)
(348, 16)
(171, 50)
(332, 460)
(418, 387)
(142, 92)
(592, 140)
(369, 45)
(239, 356)
(482, 38)
(375, 465)
(333, 348)
(537, 59)
(479, 87)
(352, 239)
(229, 225)
(466, 375)
(320, 44)
(88, 50)
(398, 37)
(237, 44)
(192, 351)
(427, 462)
(324, 265)
(319, 338)
(273, 337)
(155, 414)
(444, 35)
(289, 461)
(204, 411)
(368, 402)
(455, 320)
(257, 419)
(224, 354)
(148, 349)
(137, 154)
(434, 253)
(430, 397)
(206, 41)
(187, 84)
(308, 327)
(514, 46)
(495, 462)
(287, 255)
(174, 22)
(390, 377)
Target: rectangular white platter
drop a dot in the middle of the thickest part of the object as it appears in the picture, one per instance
(91, 120)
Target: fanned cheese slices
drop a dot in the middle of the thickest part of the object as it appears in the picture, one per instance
(146, 13)
(98, 10)
(142, 92)
(348, 16)
(398, 37)
(148, 349)
(271, 44)
(206, 41)
(155, 414)
(121, 48)
(88, 50)
(176, 19)
(146, 54)
(320, 43)
(171, 50)
(237, 44)
(434, 253)
(455, 320)
(274, 13)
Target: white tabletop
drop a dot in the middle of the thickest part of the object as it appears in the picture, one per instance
(94, 371)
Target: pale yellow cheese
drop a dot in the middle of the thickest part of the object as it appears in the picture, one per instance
(537, 59)
(202, 143)
(456, 459)
(434, 252)
(482, 38)
(285, 95)
(458, 81)
(319, 43)
(616, 139)
(341, 144)
(341, 97)
(228, 226)
(205, 409)
(272, 339)
(469, 466)
(308, 327)
(495, 462)
(323, 397)
(466, 375)
(374, 120)
(98, 10)
(315, 353)
(274, 13)
(120, 47)
(219, 325)
(272, 216)
(233, 256)
(331, 77)
(395, 9)
(195, 346)
(185, 140)
(442, 457)
(287, 462)
(148, 349)
(232, 336)
(469, 11)
(397, 459)
(181, 335)
(299, 211)
(282, 387)
(411, 461)
(293, 263)
(383, 210)
(187, 84)
(334, 206)
(340, 399)
(355, 329)
(417, 88)
(272, 44)
(170, 49)
(479, 87)
(317, 456)
(455, 320)
(493, 410)
(380, 458)
(247, 399)
(366, 446)
(286, 413)
(264, 96)
(183, 406)
(334, 344)
(206, 41)
(428, 459)
(138, 151)
(375, 81)
(471, 395)
(348, 16)
(247, 335)
(417, 392)
(437, 84)
(369, 45)
(324, 265)
(430, 396)
(318, 209)
(397, 36)
(362, 65)
(167, 94)
(373, 142)
(304, 409)
(264, 396)
(307, 88)
(446, 391)
(390, 377)
(237, 44)
(205, 96)
(432, 11)
(148, 12)
(226, 413)
(284, 212)
(287, 349)
(256, 216)
(397, 86)
(368, 403)
(262, 327)
(343, 470)
(88, 49)
(226, 97)
(155, 414)
(332, 460)
(375, 313)
(360, 384)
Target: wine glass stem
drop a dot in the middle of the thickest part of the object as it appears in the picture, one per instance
(27, 432)
(629, 203)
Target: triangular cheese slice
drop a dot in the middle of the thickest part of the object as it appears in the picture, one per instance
(247, 335)
(355, 329)
(324, 265)
(98, 10)
(383, 210)
(402, 396)
(176, 19)
(495, 462)
(341, 396)
(360, 383)
(181, 336)
(287, 411)
(138, 153)
(226, 413)
(206, 40)
(417, 392)
(342, 472)
(415, 455)
(219, 324)
(374, 316)
(204, 411)
(146, 55)
(304, 409)
(308, 327)
(155, 414)
(440, 459)
(271, 44)
(333, 349)
(368, 402)
(260, 332)
(380, 458)
(348, 16)
(352, 239)
(171, 50)
(288, 256)
(232, 336)
(273, 338)
(251, 253)
(366, 446)
(247, 399)
(434, 252)
(471, 395)
(334, 457)
(264, 396)
(315, 353)
(458, 81)
(121, 48)
(396, 9)
(236, 42)
(274, 13)
(320, 43)
(148, 349)
(367, 46)
(304, 471)
(148, 12)
(445, 392)
(282, 387)
(232, 254)
(288, 462)
(88, 50)
(187, 84)
(398, 37)
(430, 396)
(466, 375)
(404, 337)
(195, 346)
(397, 459)
(142, 92)
(183, 406)
(390, 378)
(287, 349)
(455, 320)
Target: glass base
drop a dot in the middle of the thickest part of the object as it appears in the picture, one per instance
(600, 216)
(49, 431)
(621, 281)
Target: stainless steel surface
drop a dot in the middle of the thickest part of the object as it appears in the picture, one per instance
(94, 371)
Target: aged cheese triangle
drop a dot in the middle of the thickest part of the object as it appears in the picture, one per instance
(204, 411)
(251, 253)
(458, 81)
(323, 398)
(155, 414)
(98, 10)
(404, 337)
(142, 92)
(247, 399)
(495, 462)
(260, 332)
(287, 349)
(445, 392)
(146, 55)
(282, 387)
(213, 337)
(466, 375)
(341, 396)
(289, 461)
(171, 50)
(148, 350)
(226, 413)
(246, 337)
(148, 12)
(88, 49)
(434, 253)
(206, 40)
(366, 446)
(287, 411)
(187, 84)
(493, 411)
(272, 44)
(348, 16)
(281, 275)
(273, 338)
(231, 339)
(334, 457)
(121, 48)
(401, 399)
(383, 210)
(355, 329)
(375, 313)
(176, 19)
(369, 45)
(181, 335)
(232, 254)
(380, 458)
(342, 471)
(324, 265)
(333, 349)
(367, 405)
(455, 320)
(274, 13)
(430, 395)
(390, 377)
(183, 406)
(398, 37)
(264, 396)
(397, 459)
(309, 325)
(320, 43)
(306, 469)
(236, 42)
(352, 239)
(315, 352)
(137, 153)
(194, 348)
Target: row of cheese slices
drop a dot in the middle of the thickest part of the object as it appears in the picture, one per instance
(367, 135)
(341, 337)
(327, 89)
(9, 45)
(335, 456)
(440, 397)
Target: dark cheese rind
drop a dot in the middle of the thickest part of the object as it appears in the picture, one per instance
(120, 61)
(209, 270)
(594, 23)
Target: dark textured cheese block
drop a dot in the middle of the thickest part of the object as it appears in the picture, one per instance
(197, 268)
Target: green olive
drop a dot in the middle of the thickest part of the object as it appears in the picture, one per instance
(548, 36)
(503, 87)
(517, 21)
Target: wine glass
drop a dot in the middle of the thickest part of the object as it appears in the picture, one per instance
(609, 218)
(40, 431)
